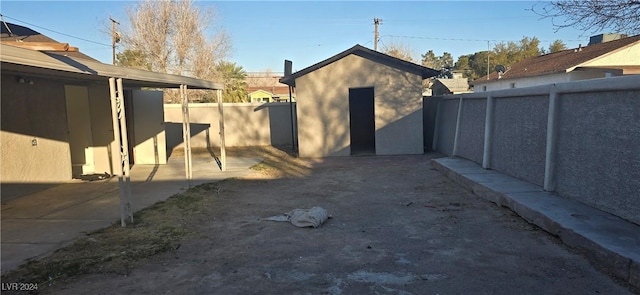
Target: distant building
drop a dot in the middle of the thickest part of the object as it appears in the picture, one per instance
(449, 86)
(605, 38)
(615, 56)
(270, 94)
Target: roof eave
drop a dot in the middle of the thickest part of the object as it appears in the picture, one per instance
(80, 68)
(363, 52)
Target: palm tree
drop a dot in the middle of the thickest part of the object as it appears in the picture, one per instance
(235, 82)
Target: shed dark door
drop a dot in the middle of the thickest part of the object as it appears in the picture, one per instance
(362, 123)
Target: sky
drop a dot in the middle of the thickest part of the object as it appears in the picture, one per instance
(265, 33)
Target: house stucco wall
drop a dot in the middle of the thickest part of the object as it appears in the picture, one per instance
(33, 112)
(323, 108)
(522, 82)
(623, 57)
(79, 129)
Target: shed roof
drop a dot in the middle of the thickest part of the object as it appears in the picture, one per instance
(563, 61)
(369, 54)
(26, 61)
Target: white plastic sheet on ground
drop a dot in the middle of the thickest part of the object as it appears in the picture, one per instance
(313, 217)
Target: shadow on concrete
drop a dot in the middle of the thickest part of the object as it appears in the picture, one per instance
(40, 218)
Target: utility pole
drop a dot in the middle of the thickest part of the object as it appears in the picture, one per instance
(487, 59)
(115, 38)
(376, 36)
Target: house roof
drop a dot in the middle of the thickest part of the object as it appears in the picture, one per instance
(562, 61)
(454, 85)
(276, 90)
(15, 33)
(369, 54)
(23, 61)
(260, 91)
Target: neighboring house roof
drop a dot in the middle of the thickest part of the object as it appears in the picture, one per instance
(12, 33)
(275, 90)
(20, 60)
(454, 85)
(260, 91)
(369, 54)
(562, 61)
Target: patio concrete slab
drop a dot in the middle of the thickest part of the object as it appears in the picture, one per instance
(36, 223)
(607, 240)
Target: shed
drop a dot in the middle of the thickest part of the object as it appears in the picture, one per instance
(359, 102)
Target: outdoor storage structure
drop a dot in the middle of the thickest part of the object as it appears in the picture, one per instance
(357, 102)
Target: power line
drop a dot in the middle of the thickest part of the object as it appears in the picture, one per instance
(459, 39)
(71, 36)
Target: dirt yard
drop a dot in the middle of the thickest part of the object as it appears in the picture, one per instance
(397, 227)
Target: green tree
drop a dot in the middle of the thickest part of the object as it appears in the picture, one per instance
(431, 60)
(462, 65)
(557, 46)
(133, 58)
(511, 52)
(472, 65)
(446, 59)
(476, 65)
(235, 82)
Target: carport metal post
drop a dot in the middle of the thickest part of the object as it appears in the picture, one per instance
(125, 149)
(186, 134)
(117, 158)
(223, 153)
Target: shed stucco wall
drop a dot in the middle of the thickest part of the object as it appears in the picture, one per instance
(323, 108)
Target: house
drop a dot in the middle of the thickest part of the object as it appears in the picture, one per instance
(359, 101)
(443, 86)
(260, 96)
(618, 57)
(58, 110)
(269, 94)
(16, 35)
